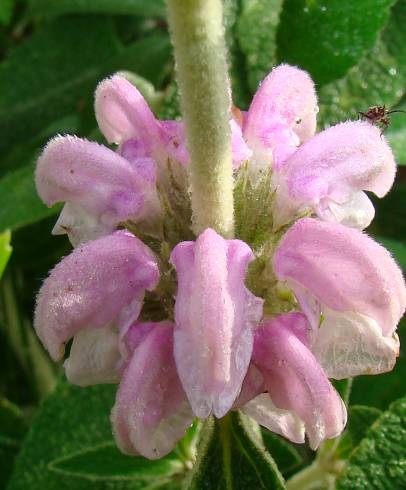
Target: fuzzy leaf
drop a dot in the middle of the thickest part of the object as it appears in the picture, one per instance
(374, 81)
(32, 95)
(231, 456)
(124, 7)
(379, 461)
(12, 430)
(327, 37)
(70, 446)
(21, 204)
(283, 452)
(256, 30)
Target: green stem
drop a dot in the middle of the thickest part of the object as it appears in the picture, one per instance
(198, 38)
(312, 477)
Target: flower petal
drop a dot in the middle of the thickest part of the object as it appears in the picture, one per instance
(239, 148)
(122, 113)
(294, 379)
(283, 111)
(342, 269)
(330, 168)
(283, 422)
(79, 225)
(93, 357)
(175, 142)
(151, 412)
(350, 344)
(357, 212)
(214, 315)
(253, 385)
(102, 187)
(91, 286)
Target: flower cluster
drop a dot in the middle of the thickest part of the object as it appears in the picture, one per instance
(200, 327)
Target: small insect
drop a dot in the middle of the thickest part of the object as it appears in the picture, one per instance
(379, 115)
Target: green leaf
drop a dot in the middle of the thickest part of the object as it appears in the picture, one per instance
(396, 135)
(5, 250)
(284, 453)
(12, 430)
(379, 461)
(327, 37)
(374, 81)
(256, 30)
(6, 11)
(237, 69)
(360, 419)
(143, 8)
(70, 446)
(21, 204)
(106, 462)
(232, 456)
(12, 425)
(394, 34)
(50, 75)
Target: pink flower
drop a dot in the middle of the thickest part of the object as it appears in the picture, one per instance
(352, 292)
(215, 350)
(95, 295)
(214, 315)
(103, 188)
(324, 174)
(299, 396)
(281, 116)
(99, 283)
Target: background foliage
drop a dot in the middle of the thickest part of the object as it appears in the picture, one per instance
(52, 55)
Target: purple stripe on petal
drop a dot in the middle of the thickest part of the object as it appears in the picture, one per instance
(90, 287)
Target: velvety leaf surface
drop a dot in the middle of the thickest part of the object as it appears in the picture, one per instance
(21, 204)
(6, 10)
(32, 95)
(287, 458)
(396, 135)
(360, 420)
(257, 36)
(374, 81)
(12, 430)
(379, 461)
(327, 37)
(394, 35)
(231, 456)
(147, 8)
(70, 446)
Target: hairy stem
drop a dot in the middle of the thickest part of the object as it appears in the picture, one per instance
(198, 38)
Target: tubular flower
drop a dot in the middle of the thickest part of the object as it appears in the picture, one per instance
(352, 292)
(103, 188)
(192, 326)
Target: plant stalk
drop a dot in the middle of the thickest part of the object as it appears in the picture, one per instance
(197, 33)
